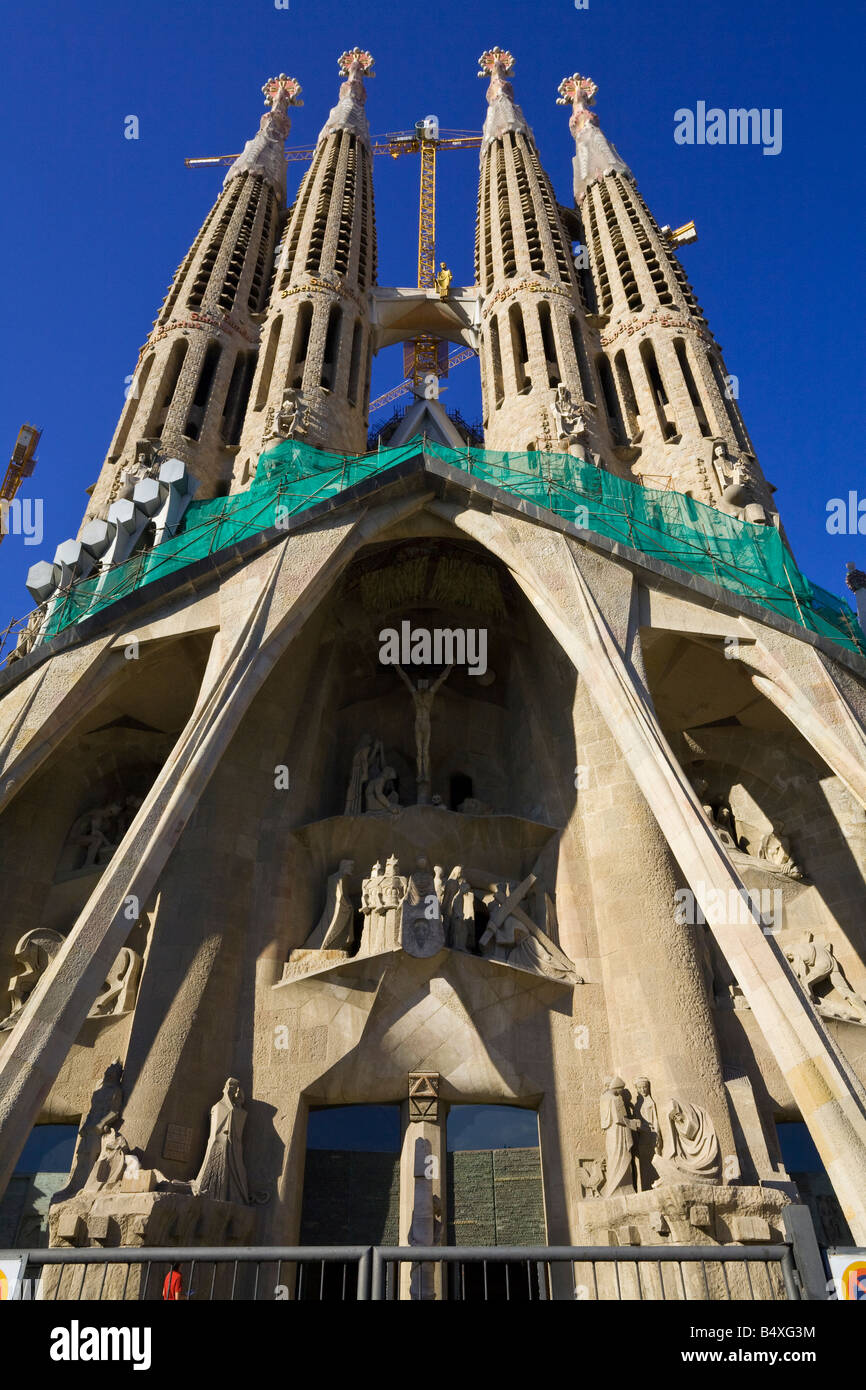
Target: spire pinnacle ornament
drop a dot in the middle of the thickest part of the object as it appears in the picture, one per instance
(504, 114)
(579, 93)
(282, 90)
(594, 155)
(354, 65)
(356, 57)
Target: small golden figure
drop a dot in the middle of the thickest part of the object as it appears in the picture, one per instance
(443, 281)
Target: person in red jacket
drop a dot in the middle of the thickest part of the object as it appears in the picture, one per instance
(173, 1285)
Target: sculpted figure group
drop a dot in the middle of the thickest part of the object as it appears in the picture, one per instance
(644, 1148)
(426, 909)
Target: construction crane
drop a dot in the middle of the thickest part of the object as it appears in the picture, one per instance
(21, 465)
(425, 355)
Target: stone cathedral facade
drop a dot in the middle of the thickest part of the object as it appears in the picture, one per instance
(420, 794)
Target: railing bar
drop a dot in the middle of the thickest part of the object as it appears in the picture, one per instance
(300, 1288)
(664, 1297)
(683, 1281)
(147, 1269)
(125, 1282)
(102, 1285)
(529, 1280)
(703, 1265)
(725, 1277)
(616, 1272)
(639, 1284)
(212, 1282)
(192, 1264)
(343, 1289)
(594, 1281)
(322, 1281)
(484, 1268)
(234, 1282)
(84, 1269)
(59, 1282)
(256, 1284)
(507, 1286)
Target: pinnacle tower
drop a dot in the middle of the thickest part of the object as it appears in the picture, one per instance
(316, 336)
(534, 336)
(190, 387)
(669, 402)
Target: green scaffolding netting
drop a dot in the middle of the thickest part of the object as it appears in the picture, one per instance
(744, 559)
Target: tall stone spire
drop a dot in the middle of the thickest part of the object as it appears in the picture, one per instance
(535, 362)
(669, 401)
(189, 390)
(313, 375)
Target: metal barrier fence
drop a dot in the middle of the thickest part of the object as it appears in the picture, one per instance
(383, 1273)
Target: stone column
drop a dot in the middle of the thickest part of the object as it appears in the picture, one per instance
(660, 1020)
(422, 1184)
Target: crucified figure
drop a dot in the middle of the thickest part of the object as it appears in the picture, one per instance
(422, 699)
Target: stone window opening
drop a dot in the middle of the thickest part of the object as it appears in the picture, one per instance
(657, 389)
(527, 207)
(611, 401)
(204, 271)
(329, 357)
(691, 387)
(297, 215)
(132, 406)
(519, 348)
(355, 362)
(554, 376)
(620, 251)
(195, 419)
(459, 788)
(165, 395)
(237, 397)
(268, 363)
(506, 232)
(496, 360)
(628, 398)
(300, 347)
(584, 372)
(563, 261)
(320, 223)
(259, 285)
(344, 240)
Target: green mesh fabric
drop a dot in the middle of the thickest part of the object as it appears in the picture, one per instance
(744, 559)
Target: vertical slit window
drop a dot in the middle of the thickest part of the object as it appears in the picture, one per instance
(355, 362)
(627, 396)
(604, 294)
(729, 404)
(691, 387)
(195, 419)
(332, 338)
(550, 355)
(496, 359)
(582, 364)
(611, 401)
(237, 396)
(659, 395)
(268, 364)
(165, 395)
(301, 344)
(519, 349)
(139, 383)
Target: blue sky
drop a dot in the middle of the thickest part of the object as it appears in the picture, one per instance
(95, 224)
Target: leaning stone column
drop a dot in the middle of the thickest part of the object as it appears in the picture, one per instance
(659, 1014)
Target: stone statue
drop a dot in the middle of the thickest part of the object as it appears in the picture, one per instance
(98, 843)
(571, 420)
(422, 931)
(443, 280)
(373, 933)
(223, 1175)
(110, 1167)
(367, 763)
(439, 881)
(290, 419)
(458, 909)
(590, 1176)
(512, 937)
(619, 1128)
(28, 633)
(105, 1115)
(34, 953)
(381, 795)
(815, 964)
(422, 698)
(391, 891)
(117, 995)
(688, 1149)
(646, 1138)
(335, 929)
(776, 852)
